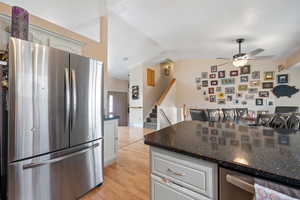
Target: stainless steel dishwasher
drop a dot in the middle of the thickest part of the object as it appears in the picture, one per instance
(234, 185)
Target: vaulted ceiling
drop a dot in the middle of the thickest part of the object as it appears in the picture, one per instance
(143, 31)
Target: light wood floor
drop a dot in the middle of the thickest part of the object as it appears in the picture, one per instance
(128, 178)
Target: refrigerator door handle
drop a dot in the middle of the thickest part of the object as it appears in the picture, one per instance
(74, 95)
(33, 165)
(67, 98)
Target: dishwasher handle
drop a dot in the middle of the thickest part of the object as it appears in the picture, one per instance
(240, 183)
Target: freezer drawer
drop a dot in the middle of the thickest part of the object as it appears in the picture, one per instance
(60, 176)
(86, 77)
(38, 100)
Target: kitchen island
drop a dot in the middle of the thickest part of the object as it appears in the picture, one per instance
(268, 154)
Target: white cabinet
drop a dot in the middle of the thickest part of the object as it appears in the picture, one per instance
(182, 177)
(110, 141)
(163, 190)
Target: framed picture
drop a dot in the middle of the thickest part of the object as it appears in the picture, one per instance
(252, 90)
(204, 83)
(236, 101)
(199, 87)
(150, 77)
(263, 93)
(256, 75)
(280, 68)
(239, 95)
(270, 103)
(244, 79)
(245, 69)
(234, 73)
(229, 90)
(211, 90)
(214, 68)
(228, 81)
(255, 83)
(244, 102)
(214, 82)
(221, 95)
(269, 76)
(259, 102)
(267, 85)
(221, 74)
(198, 79)
(212, 76)
(249, 96)
(243, 87)
(135, 92)
(221, 101)
(212, 98)
(204, 75)
(218, 89)
(282, 78)
(229, 98)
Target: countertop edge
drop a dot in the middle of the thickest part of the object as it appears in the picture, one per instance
(233, 166)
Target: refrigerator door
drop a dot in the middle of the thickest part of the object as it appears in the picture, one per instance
(38, 99)
(66, 174)
(86, 122)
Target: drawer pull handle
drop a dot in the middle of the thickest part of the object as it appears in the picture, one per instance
(165, 180)
(175, 173)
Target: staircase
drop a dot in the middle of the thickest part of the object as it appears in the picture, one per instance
(151, 120)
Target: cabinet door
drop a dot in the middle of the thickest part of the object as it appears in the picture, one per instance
(110, 142)
(162, 190)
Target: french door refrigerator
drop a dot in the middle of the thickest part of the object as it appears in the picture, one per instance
(55, 126)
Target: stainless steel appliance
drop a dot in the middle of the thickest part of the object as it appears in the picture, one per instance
(54, 142)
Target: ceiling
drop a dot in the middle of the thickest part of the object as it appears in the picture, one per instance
(143, 31)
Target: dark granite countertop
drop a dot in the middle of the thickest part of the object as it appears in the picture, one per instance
(111, 117)
(258, 151)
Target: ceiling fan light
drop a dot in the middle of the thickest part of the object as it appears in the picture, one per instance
(239, 62)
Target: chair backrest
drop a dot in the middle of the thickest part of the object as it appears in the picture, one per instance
(198, 114)
(264, 119)
(241, 112)
(293, 122)
(278, 121)
(228, 113)
(213, 114)
(286, 109)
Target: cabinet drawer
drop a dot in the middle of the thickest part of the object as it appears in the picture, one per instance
(162, 190)
(194, 174)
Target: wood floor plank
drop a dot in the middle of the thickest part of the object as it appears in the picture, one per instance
(128, 177)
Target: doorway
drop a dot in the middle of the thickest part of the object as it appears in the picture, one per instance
(118, 105)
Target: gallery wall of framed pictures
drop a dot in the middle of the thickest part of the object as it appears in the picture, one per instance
(240, 86)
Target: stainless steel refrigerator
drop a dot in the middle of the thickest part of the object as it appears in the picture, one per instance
(55, 127)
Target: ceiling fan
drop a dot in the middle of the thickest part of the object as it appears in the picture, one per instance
(241, 59)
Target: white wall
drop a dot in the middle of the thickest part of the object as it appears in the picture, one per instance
(152, 94)
(186, 92)
(117, 85)
(136, 77)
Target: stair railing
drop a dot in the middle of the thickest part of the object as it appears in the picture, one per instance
(165, 116)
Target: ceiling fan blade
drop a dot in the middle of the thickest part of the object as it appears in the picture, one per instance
(262, 57)
(224, 58)
(254, 52)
